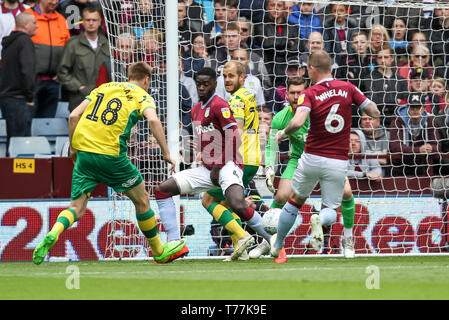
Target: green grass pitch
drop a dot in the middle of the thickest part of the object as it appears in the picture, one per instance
(424, 277)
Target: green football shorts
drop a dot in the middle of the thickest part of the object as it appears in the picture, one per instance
(290, 169)
(90, 169)
(248, 174)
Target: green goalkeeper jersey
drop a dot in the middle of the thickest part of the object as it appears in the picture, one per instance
(297, 139)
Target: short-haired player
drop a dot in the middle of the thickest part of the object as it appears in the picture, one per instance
(244, 109)
(99, 129)
(218, 138)
(328, 103)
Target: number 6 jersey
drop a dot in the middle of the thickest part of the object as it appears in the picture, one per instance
(330, 104)
(105, 126)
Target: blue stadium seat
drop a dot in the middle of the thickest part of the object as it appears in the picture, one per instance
(50, 128)
(29, 147)
(59, 145)
(62, 111)
(2, 138)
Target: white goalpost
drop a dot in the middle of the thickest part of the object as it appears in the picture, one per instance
(402, 212)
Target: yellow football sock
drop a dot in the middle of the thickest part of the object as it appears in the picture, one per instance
(148, 225)
(225, 218)
(65, 219)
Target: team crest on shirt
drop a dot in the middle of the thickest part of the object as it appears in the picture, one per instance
(226, 112)
(238, 105)
(206, 114)
(301, 99)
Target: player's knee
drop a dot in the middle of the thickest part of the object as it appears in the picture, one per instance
(168, 187)
(204, 202)
(207, 201)
(142, 205)
(347, 192)
(79, 211)
(236, 199)
(296, 199)
(282, 198)
(239, 207)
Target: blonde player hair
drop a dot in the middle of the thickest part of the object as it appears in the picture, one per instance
(139, 71)
(238, 66)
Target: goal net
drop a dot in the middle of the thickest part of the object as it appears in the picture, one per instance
(395, 52)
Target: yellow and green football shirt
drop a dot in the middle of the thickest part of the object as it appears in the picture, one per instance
(243, 105)
(105, 126)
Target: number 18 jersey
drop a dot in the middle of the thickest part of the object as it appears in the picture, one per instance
(330, 103)
(105, 126)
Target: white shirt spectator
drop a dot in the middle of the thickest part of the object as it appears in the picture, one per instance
(190, 85)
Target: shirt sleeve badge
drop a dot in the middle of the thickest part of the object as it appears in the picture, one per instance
(301, 99)
(226, 112)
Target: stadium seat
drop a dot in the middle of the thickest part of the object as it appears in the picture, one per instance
(59, 145)
(50, 128)
(2, 138)
(29, 147)
(62, 111)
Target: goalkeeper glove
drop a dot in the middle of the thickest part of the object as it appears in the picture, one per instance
(269, 178)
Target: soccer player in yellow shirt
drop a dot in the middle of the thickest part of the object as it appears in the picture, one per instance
(244, 109)
(99, 129)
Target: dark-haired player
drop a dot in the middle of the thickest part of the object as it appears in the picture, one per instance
(218, 138)
(244, 109)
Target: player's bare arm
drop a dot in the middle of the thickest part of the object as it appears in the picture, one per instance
(240, 124)
(372, 110)
(297, 122)
(158, 132)
(74, 118)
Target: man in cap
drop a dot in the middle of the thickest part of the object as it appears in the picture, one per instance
(420, 81)
(413, 135)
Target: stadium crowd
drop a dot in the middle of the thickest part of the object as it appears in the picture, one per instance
(397, 56)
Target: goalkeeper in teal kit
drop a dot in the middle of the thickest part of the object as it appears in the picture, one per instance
(297, 144)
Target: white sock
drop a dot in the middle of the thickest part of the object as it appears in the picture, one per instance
(347, 232)
(167, 212)
(328, 216)
(255, 223)
(286, 221)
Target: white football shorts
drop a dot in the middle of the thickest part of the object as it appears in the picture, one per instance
(197, 180)
(330, 173)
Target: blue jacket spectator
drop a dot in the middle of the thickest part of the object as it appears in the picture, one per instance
(413, 135)
(307, 21)
(338, 34)
(252, 10)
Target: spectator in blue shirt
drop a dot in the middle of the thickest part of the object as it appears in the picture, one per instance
(305, 17)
